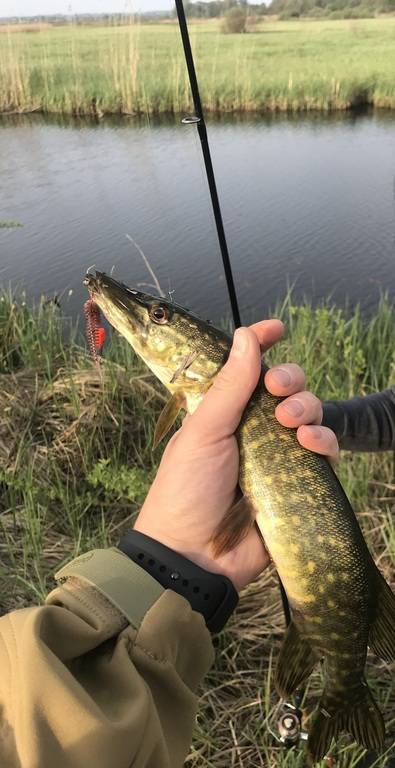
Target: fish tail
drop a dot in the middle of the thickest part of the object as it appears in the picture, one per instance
(361, 718)
(382, 630)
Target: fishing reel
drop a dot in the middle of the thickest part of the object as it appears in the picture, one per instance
(289, 726)
(290, 730)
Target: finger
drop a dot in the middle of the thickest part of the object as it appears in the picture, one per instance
(220, 411)
(302, 408)
(320, 440)
(268, 332)
(286, 379)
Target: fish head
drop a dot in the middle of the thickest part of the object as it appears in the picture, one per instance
(183, 351)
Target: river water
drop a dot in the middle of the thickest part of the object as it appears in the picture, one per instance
(306, 201)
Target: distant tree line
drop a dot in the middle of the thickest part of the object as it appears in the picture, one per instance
(288, 9)
(334, 9)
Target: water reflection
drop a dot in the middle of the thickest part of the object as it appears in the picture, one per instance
(307, 200)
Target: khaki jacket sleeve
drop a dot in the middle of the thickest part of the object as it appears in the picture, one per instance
(103, 675)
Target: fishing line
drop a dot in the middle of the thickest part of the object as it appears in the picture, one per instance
(198, 120)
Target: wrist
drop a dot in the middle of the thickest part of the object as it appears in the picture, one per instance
(211, 594)
(202, 557)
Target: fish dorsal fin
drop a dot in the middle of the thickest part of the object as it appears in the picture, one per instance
(234, 527)
(382, 630)
(295, 662)
(168, 416)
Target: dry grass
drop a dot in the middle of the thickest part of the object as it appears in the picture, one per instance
(62, 420)
(35, 26)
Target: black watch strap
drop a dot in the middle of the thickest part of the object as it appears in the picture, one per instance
(211, 594)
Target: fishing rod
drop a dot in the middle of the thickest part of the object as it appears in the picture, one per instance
(198, 120)
(290, 721)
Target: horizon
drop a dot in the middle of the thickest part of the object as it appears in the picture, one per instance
(25, 9)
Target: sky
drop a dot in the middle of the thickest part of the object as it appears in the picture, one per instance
(34, 7)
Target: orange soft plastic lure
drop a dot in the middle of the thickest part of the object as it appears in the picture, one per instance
(95, 333)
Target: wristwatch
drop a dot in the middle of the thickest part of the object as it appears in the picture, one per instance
(211, 594)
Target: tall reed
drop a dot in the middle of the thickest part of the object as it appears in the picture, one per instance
(139, 68)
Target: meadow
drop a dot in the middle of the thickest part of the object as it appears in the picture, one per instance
(76, 461)
(139, 68)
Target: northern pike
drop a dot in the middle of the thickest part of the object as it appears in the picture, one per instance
(340, 603)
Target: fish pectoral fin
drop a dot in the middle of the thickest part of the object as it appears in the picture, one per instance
(295, 663)
(360, 717)
(382, 630)
(186, 363)
(168, 416)
(234, 527)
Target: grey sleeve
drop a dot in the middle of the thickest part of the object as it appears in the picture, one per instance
(363, 423)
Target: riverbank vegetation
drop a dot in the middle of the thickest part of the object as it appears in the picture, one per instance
(9, 224)
(76, 460)
(139, 68)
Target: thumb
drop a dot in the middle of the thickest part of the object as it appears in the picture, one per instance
(219, 414)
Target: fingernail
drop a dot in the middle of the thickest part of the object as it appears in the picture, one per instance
(315, 431)
(294, 407)
(240, 342)
(281, 377)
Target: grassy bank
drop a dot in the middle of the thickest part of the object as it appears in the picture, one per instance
(301, 65)
(75, 464)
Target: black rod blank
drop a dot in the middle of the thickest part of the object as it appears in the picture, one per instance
(201, 126)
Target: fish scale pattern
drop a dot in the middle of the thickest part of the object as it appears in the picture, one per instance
(312, 535)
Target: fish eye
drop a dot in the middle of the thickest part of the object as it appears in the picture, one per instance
(159, 314)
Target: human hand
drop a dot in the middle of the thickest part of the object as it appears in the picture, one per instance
(197, 478)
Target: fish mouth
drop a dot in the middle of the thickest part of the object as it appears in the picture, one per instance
(101, 283)
(111, 293)
(92, 281)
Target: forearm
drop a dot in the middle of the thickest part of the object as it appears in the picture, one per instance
(96, 690)
(363, 423)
